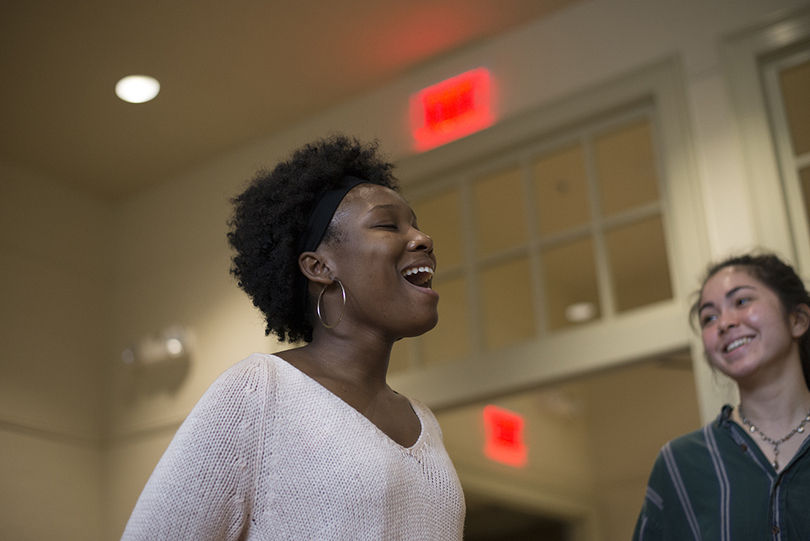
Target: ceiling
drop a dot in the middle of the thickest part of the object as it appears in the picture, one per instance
(229, 71)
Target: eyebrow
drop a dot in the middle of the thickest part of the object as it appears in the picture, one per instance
(389, 206)
(729, 293)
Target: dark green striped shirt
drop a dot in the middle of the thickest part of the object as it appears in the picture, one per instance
(715, 484)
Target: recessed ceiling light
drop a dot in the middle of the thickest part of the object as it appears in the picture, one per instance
(137, 88)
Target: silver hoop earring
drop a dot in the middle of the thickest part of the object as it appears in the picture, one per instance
(318, 305)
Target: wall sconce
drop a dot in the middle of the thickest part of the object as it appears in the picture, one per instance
(172, 343)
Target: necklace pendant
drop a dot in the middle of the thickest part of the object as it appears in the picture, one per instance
(775, 465)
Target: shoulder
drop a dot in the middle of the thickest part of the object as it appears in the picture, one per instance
(243, 390)
(689, 443)
(690, 452)
(250, 374)
(255, 365)
(692, 459)
(709, 439)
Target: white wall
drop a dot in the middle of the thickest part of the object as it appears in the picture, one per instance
(55, 249)
(173, 264)
(75, 268)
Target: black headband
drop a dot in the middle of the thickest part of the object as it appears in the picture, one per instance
(322, 213)
(319, 221)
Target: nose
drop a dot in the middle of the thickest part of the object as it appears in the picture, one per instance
(726, 321)
(421, 241)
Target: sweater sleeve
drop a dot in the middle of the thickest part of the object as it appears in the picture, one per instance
(203, 486)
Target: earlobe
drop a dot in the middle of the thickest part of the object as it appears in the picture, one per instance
(314, 267)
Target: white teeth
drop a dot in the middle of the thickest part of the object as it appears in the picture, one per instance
(425, 272)
(737, 343)
(415, 270)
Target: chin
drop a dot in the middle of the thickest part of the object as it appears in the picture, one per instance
(424, 327)
(737, 372)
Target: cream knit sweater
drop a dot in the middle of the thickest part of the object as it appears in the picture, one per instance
(269, 453)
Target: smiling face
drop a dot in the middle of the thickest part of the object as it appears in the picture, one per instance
(385, 263)
(746, 331)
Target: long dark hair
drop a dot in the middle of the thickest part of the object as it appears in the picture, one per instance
(780, 278)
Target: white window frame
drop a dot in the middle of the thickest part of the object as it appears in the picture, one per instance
(789, 163)
(777, 227)
(637, 334)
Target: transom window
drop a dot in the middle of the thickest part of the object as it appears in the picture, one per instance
(564, 232)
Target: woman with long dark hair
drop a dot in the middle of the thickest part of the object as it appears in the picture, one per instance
(747, 474)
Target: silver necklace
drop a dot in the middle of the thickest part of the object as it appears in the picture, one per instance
(775, 443)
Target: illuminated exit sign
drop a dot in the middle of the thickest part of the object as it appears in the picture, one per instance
(503, 436)
(451, 109)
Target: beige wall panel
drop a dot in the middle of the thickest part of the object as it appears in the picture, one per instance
(400, 356)
(54, 286)
(170, 255)
(128, 464)
(558, 456)
(631, 414)
(54, 326)
(620, 508)
(173, 269)
(54, 282)
(54, 224)
(49, 489)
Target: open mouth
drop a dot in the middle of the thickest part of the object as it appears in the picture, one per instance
(737, 343)
(419, 276)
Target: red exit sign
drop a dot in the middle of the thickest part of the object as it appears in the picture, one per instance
(451, 109)
(503, 437)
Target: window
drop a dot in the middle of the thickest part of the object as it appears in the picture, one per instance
(768, 73)
(787, 87)
(567, 239)
(559, 233)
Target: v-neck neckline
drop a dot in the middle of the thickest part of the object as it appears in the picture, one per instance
(353, 411)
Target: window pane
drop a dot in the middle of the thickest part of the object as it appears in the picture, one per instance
(638, 261)
(440, 217)
(625, 161)
(795, 92)
(570, 280)
(449, 340)
(499, 211)
(507, 298)
(561, 188)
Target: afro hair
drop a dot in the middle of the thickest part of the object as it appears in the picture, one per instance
(270, 215)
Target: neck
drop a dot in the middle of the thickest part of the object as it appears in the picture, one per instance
(777, 405)
(360, 361)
